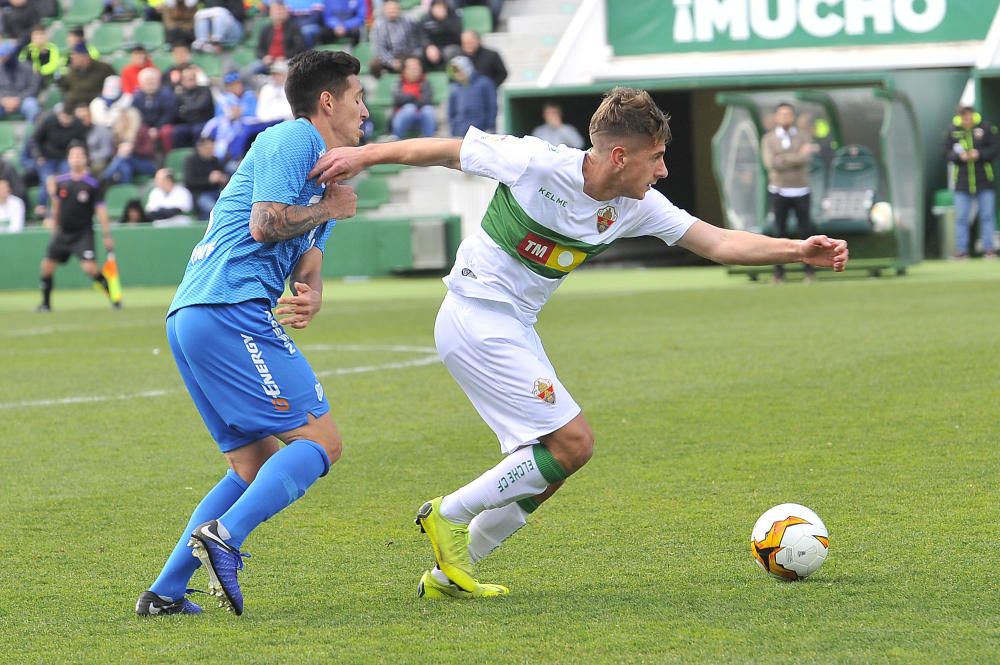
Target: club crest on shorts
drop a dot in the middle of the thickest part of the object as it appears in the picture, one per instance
(544, 390)
(606, 216)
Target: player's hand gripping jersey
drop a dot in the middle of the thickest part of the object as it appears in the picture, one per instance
(540, 225)
(228, 265)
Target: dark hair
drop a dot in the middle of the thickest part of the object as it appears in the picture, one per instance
(312, 73)
(76, 143)
(781, 105)
(78, 31)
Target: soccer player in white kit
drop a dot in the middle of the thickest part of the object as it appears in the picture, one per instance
(554, 208)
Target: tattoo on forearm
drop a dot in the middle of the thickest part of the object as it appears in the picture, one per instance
(271, 222)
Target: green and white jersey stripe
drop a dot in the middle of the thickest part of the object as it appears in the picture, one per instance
(540, 225)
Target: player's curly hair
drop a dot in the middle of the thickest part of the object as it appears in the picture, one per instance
(630, 112)
(311, 73)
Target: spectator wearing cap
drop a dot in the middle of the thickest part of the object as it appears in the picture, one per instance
(19, 84)
(393, 37)
(219, 24)
(43, 56)
(84, 79)
(486, 61)
(272, 103)
(169, 202)
(18, 18)
(73, 37)
(157, 105)
(237, 92)
(413, 100)
(138, 61)
(441, 30)
(100, 140)
(280, 39)
(50, 146)
(178, 20)
(345, 19)
(204, 176)
(11, 209)
(472, 99)
(195, 107)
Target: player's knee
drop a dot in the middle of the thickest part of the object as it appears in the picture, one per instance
(572, 446)
(333, 447)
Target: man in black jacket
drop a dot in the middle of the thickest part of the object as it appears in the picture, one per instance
(204, 176)
(486, 61)
(195, 107)
(50, 142)
(971, 146)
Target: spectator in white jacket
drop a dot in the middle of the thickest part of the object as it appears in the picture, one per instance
(11, 210)
(169, 203)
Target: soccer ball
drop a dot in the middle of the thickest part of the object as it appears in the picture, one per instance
(789, 542)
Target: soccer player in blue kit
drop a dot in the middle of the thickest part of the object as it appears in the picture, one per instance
(249, 381)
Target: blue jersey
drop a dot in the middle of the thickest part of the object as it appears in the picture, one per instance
(228, 265)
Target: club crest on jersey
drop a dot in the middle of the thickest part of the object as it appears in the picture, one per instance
(83, 196)
(606, 216)
(544, 390)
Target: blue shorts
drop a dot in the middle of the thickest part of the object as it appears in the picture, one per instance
(245, 375)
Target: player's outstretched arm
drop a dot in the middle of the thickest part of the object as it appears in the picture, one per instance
(731, 247)
(274, 222)
(343, 163)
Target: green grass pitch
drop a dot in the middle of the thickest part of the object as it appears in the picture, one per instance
(872, 401)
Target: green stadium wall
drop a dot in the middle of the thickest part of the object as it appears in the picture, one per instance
(150, 256)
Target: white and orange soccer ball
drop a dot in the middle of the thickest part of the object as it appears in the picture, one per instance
(789, 542)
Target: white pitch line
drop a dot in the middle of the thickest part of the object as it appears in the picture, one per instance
(340, 371)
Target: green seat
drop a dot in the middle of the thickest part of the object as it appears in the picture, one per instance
(243, 57)
(477, 18)
(210, 63)
(51, 97)
(150, 34)
(119, 60)
(82, 12)
(380, 102)
(439, 85)
(372, 192)
(108, 37)
(117, 197)
(12, 135)
(32, 201)
(175, 160)
(57, 35)
(363, 52)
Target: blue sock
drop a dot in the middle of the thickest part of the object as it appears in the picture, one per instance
(283, 479)
(180, 566)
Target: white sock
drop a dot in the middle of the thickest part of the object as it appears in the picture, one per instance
(517, 476)
(491, 527)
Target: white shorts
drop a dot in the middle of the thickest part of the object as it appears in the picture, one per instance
(500, 364)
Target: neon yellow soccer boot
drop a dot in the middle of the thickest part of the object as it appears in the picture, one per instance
(429, 587)
(450, 542)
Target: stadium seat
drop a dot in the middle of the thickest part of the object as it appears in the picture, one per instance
(117, 197)
(243, 57)
(477, 18)
(372, 192)
(363, 52)
(210, 63)
(150, 34)
(118, 60)
(439, 86)
(854, 183)
(408, 4)
(57, 35)
(175, 160)
(108, 37)
(82, 12)
(11, 135)
(51, 97)
(380, 101)
(32, 201)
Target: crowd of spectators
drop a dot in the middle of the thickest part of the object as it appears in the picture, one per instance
(132, 108)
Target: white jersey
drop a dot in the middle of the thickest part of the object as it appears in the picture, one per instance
(540, 225)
